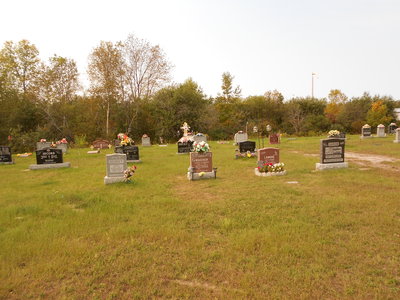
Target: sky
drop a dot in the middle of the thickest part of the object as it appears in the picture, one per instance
(351, 45)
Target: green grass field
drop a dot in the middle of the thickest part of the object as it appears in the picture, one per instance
(333, 235)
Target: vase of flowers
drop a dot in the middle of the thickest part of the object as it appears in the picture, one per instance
(201, 147)
(333, 134)
(128, 173)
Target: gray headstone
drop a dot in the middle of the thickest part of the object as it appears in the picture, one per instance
(116, 164)
(42, 145)
(146, 141)
(200, 138)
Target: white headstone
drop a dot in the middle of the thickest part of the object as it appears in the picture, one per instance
(240, 137)
(397, 137)
(380, 130)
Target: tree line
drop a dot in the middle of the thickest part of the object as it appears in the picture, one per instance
(130, 91)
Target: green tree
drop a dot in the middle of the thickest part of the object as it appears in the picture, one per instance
(378, 114)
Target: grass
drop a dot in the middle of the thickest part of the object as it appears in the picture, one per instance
(335, 234)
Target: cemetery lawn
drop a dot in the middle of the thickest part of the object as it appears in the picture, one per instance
(333, 234)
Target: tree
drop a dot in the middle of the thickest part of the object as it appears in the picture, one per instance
(336, 103)
(56, 88)
(106, 73)
(228, 93)
(19, 64)
(378, 114)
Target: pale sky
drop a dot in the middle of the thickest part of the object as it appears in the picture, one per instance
(352, 45)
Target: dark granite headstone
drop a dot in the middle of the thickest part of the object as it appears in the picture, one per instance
(366, 131)
(5, 154)
(132, 152)
(184, 147)
(49, 156)
(247, 146)
(332, 151)
(392, 128)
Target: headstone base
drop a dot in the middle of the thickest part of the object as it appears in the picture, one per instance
(134, 161)
(201, 175)
(110, 180)
(396, 141)
(162, 145)
(267, 174)
(50, 166)
(7, 163)
(321, 167)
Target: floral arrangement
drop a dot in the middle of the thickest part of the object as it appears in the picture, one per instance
(333, 133)
(128, 173)
(62, 141)
(43, 140)
(201, 147)
(26, 154)
(145, 136)
(270, 167)
(247, 154)
(124, 139)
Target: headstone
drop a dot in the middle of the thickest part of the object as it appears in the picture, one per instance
(392, 128)
(274, 138)
(380, 130)
(342, 135)
(5, 155)
(132, 152)
(247, 146)
(146, 140)
(101, 144)
(199, 138)
(201, 162)
(397, 137)
(161, 140)
(117, 143)
(63, 147)
(332, 154)
(366, 132)
(268, 155)
(115, 167)
(42, 145)
(49, 158)
(184, 147)
(201, 166)
(240, 136)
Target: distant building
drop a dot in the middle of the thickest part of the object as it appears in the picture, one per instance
(397, 113)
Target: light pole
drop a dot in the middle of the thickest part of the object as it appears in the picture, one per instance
(312, 84)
